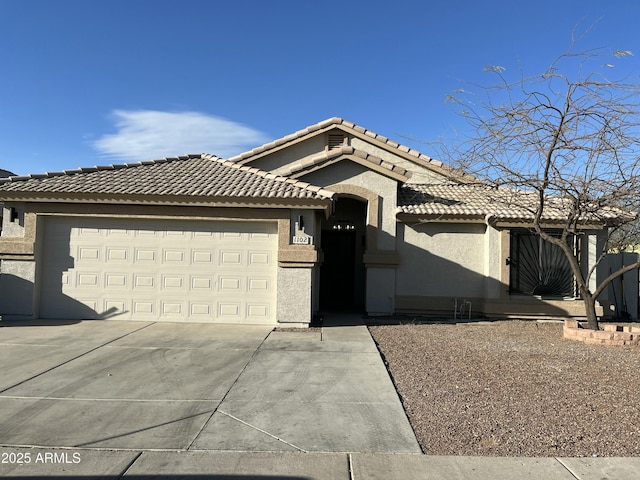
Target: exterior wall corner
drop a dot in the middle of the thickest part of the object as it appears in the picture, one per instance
(294, 300)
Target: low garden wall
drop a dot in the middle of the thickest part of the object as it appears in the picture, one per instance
(610, 333)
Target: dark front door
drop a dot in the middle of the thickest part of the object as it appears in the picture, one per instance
(337, 273)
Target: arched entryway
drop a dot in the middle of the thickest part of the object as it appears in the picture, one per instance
(343, 242)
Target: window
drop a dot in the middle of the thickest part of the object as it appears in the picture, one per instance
(539, 268)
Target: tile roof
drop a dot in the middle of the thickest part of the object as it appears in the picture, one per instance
(350, 152)
(482, 202)
(345, 125)
(199, 175)
(6, 173)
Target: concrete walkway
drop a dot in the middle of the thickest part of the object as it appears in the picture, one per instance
(114, 399)
(169, 465)
(323, 391)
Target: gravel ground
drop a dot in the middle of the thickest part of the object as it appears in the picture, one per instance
(513, 388)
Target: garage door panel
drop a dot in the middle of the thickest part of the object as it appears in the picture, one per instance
(143, 308)
(259, 285)
(82, 232)
(260, 259)
(88, 279)
(172, 284)
(121, 305)
(172, 308)
(159, 270)
(232, 258)
(199, 282)
(144, 282)
(173, 256)
(201, 310)
(145, 255)
(257, 310)
(229, 285)
(89, 254)
(202, 257)
(117, 254)
(116, 280)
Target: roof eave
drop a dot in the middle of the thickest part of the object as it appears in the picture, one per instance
(169, 200)
(284, 142)
(349, 128)
(417, 218)
(409, 154)
(421, 218)
(360, 160)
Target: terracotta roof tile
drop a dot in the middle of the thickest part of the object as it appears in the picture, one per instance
(460, 200)
(337, 121)
(329, 155)
(191, 175)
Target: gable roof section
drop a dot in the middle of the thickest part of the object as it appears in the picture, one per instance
(352, 129)
(328, 157)
(204, 177)
(6, 173)
(459, 202)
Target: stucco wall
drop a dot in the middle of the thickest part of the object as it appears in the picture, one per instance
(419, 174)
(291, 154)
(493, 261)
(446, 260)
(294, 295)
(351, 173)
(17, 283)
(308, 227)
(380, 298)
(13, 228)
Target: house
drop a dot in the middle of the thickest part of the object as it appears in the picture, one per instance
(3, 174)
(332, 217)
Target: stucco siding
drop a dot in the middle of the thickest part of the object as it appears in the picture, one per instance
(419, 174)
(292, 154)
(492, 262)
(445, 260)
(351, 173)
(294, 295)
(17, 283)
(380, 299)
(13, 228)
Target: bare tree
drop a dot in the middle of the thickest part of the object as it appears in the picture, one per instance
(564, 145)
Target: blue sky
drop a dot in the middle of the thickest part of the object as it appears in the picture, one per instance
(87, 82)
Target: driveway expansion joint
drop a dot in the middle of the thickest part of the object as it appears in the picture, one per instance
(573, 474)
(263, 431)
(204, 425)
(128, 467)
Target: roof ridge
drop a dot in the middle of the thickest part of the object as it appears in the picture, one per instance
(75, 171)
(271, 176)
(336, 121)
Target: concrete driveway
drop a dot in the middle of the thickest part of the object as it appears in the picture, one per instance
(145, 385)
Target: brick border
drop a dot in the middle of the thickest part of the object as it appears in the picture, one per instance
(610, 333)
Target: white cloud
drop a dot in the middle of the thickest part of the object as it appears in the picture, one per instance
(151, 134)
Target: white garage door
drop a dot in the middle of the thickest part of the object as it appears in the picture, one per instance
(170, 270)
